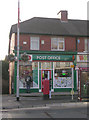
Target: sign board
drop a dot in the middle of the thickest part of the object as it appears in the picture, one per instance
(30, 57)
(53, 57)
(82, 58)
(72, 92)
(72, 66)
(49, 57)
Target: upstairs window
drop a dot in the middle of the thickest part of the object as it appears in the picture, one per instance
(57, 44)
(86, 45)
(34, 43)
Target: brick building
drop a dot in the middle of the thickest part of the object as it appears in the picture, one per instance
(52, 45)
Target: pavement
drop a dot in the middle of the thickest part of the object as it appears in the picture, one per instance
(31, 100)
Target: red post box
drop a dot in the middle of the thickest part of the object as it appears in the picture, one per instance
(46, 87)
(42, 86)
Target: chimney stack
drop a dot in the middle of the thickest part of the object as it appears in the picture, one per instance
(63, 15)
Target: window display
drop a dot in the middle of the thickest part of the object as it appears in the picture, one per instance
(25, 70)
(62, 75)
(29, 69)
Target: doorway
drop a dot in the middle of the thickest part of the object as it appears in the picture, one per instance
(84, 84)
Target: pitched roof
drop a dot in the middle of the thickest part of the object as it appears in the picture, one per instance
(52, 26)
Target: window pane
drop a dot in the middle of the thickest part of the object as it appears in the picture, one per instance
(34, 43)
(86, 45)
(34, 65)
(54, 44)
(57, 64)
(57, 44)
(35, 74)
(60, 45)
(62, 64)
(62, 75)
(24, 70)
(45, 65)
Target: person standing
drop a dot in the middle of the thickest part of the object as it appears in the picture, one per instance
(28, 80)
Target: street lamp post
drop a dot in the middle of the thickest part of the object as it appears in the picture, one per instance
(17, 93)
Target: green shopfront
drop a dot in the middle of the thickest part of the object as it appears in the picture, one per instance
(46, 65)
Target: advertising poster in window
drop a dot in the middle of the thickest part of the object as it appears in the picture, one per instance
(63, 82)
(62, 75)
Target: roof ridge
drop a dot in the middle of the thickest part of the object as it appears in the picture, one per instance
(77, 20)
(49, 18)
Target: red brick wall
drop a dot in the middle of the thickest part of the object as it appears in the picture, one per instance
(24, 38)
(81, 45)
(70, 43)
(47, 43)
(43, 47)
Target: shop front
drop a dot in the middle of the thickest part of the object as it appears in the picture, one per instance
(45, 67)
(83, 75)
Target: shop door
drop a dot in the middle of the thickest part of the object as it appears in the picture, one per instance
(45, 75)
(84, 84)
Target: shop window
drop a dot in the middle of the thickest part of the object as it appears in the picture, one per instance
(24, 70)
(57, 44)
(28, 68)
(46, 65)
(62, 75)
(62, 72)
(34, 43)
(34, 65)
(35, 74)
(62, 64)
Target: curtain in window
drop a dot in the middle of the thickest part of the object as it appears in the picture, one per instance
(34, 43)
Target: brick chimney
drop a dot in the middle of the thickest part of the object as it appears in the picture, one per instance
(63, 15)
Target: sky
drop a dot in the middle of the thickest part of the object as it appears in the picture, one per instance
(77, 9)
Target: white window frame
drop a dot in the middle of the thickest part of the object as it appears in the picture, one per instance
(58, 40)
(54, 87)
(35, 39)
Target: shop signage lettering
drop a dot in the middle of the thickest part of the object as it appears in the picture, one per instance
(48, 57)
(52, 57)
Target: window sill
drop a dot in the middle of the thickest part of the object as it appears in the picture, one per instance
(57, 50)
